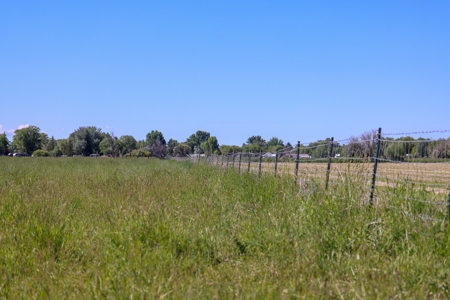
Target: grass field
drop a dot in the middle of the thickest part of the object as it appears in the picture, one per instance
(146, 228)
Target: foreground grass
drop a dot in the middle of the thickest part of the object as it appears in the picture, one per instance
(123, 228)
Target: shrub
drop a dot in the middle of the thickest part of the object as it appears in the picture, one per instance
(40, 153)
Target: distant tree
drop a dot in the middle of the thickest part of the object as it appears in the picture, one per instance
(157, 149)
(141, 144)
(56, 152)
(421, 148)
(210, 146)
(196, 139)
(109, 145)
(128, 143)
(43, 140)
(105, 146)
(439, 148)
(64, 146)
(255, 144)
(227, 149)
(86, 140)
(171, 146)
(181, 150)
(154, 136)
(4, 143)
(27, 139)
(257, 139)
(275, 142)
(318, 149)
(51, 144)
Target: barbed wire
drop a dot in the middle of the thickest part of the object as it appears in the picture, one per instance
(417, 132)
(402, 141)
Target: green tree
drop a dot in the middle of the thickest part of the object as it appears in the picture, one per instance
(4, 143)
(64, 147)
(171, 144)
(274, 141)
(43, 140)
(317, 149)
(105, 146)
(227, 149)
(257, 139)
(196, 139)
(255, 144)
(128, 143)
(210, 146)
(27, 139)
(181, 150)
(154, 136)
(275, 144)
(400, 148)
(86, 140)
(51, 144)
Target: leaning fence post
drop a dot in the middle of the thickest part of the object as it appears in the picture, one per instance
(260, 161)
(240, 156)
(375, 164)
(276, 161)
(296, 164)
(248, 155)
(330, 151)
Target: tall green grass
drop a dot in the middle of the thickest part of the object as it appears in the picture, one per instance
(145, 228)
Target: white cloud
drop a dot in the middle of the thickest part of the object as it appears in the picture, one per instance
(107, 126)
(8, 131)
(23, 126)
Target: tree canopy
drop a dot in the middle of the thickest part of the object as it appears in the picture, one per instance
(86, 140)
(28, 139)
(154, 136)
(4, 143)
(196, 139)
(210, 146)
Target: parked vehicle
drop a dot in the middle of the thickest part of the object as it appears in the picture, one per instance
(18, 154)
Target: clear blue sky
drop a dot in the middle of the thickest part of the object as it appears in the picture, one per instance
(298, 70)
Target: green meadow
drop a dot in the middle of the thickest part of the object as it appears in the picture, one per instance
(154, 229)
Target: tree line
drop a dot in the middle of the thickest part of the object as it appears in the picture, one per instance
(89, 140)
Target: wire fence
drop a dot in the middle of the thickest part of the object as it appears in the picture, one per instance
(410, 174)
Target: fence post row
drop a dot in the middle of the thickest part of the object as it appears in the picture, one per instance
(330, 152)
(375, 164)
(297, 161)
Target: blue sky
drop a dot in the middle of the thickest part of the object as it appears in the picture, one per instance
(298, 70)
